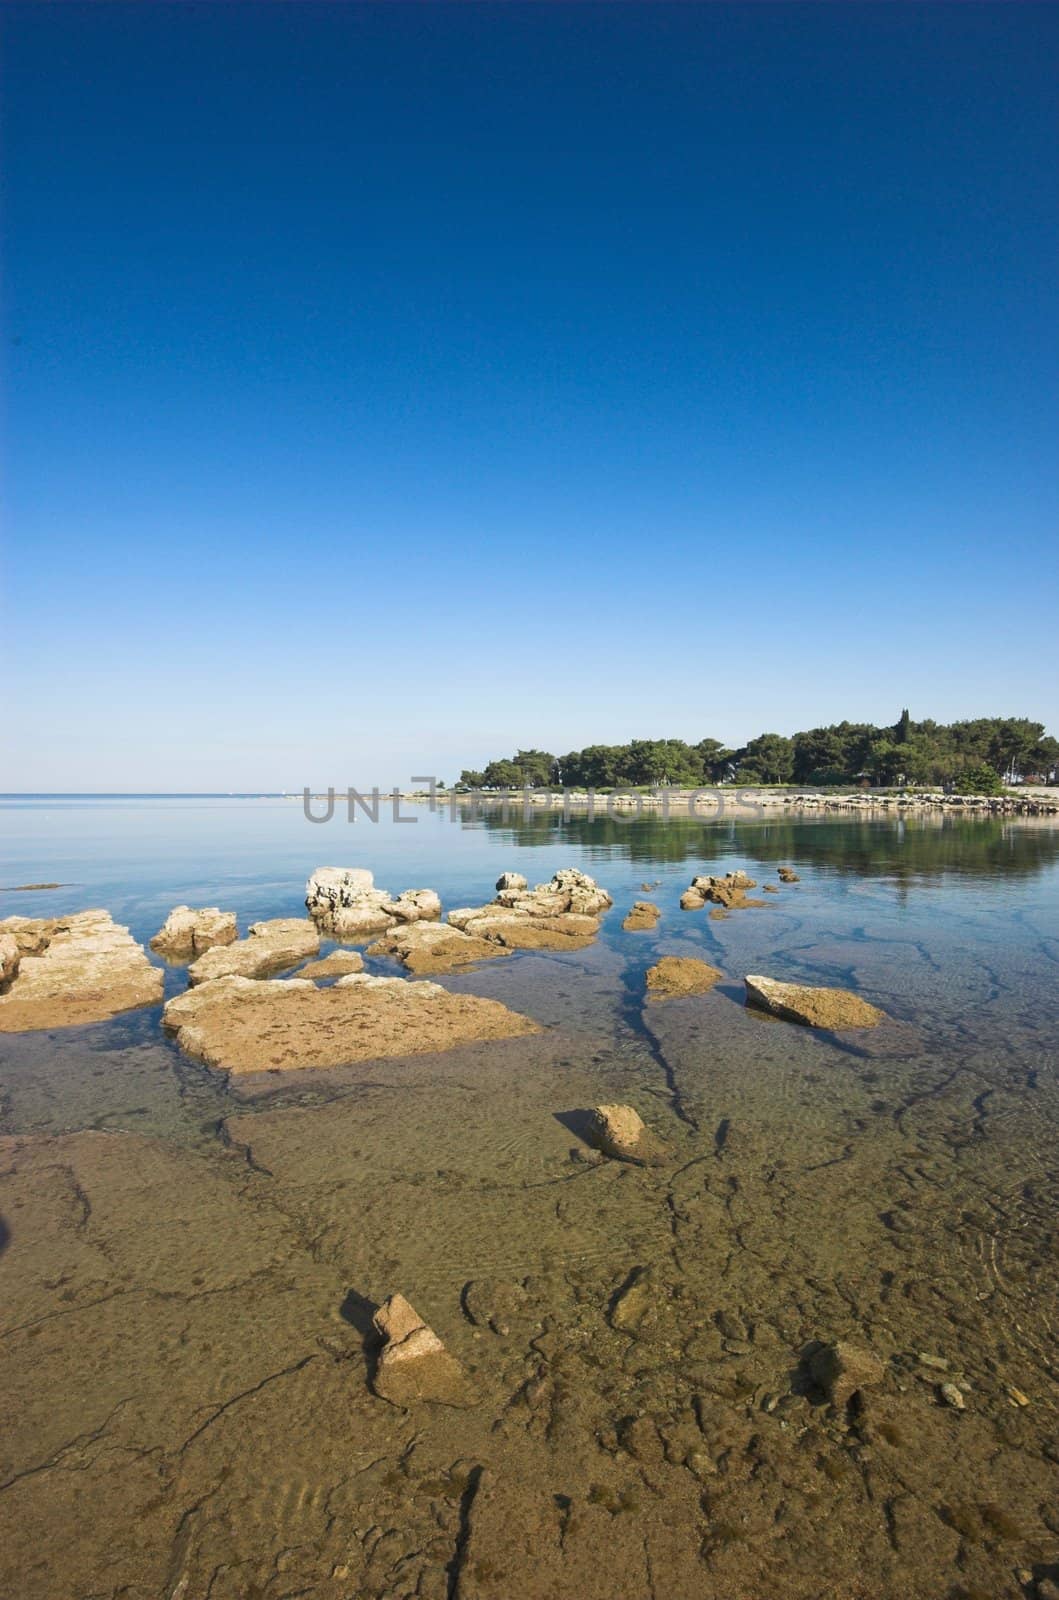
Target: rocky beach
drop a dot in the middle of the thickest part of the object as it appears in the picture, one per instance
(599, 1236)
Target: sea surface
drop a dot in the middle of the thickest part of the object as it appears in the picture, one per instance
(190, 1364)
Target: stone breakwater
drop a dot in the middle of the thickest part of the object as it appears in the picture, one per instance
(723, 799)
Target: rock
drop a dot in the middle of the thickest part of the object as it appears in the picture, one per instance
(268, 947)
(520, 931)
(692, 900)
(432, 947)
(186, 933)
(339, 964)
(950, 1395)
(815, 1008)
(937, 1363)
(511, 880)
(788, 875)
(82, 968)
(676, 975)
(729, 891)
(620, 1132)
(415, 905)
(644, 914)
(10, 956)
(413, 1364)
(770, 888)
(632, 1301)
(842, 1370)
(498, 1306)
(242, 1025)
(1017, 1397)
(344, 902)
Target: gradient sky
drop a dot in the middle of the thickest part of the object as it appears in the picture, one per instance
(389, 386)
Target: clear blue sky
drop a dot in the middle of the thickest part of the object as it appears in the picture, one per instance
(388, 386)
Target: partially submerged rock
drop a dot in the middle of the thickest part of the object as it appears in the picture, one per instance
(814, 1007)
(561, 915)
(788, 875)
(344, 902)
(413, 1364)
(620, 1132)
(186, 932)
(242, 1025)
(692, 900)
(268, 947)
(842, 1370)
(643, 914)
(339, 964)
(729, 891)
(76, 969)
(676, 975)
(426, 947)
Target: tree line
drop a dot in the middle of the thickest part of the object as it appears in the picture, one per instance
(981, 754)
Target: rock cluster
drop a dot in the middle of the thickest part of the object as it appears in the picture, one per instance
(244, 1025)
(788, 875)
(560, 915)
(413, 1364)
(620, 1132)
(186, 933)
(268, 947)
(677, 975)
(814, 1007)
(76, 969)
(344, 902)
(643, 914)
(728, 892)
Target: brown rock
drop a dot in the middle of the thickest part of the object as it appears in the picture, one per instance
(426, 947)
(676, 975)
(10, 956)
(816, 1008)
(242, 1025)
(788, 875)
(644, 914)
(413, 1364)
(841, 1370)
(83, 968)
(620, 1132)
(692, 900)
(186, 933)
(339, 964)
(269, 947)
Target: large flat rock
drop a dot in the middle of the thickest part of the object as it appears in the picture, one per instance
(76, 969)
(269, 947)
(240, 1025)
(813, 1007)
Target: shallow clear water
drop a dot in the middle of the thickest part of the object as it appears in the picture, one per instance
(186, 1403)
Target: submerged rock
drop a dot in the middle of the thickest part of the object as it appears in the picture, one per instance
(339, 964)
(189, 933)
(244, 1025)
(729, 891)
(676, 975)
(620, 1132)
(435, 947)
(643, 914)
(268, 947)
(841, 1370)
(76, 969)
(344, 902)
(413, 1364)
(814, 1007)
(632, 1302)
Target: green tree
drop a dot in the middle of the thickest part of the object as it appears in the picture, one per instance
(768, 759)
(979, 780)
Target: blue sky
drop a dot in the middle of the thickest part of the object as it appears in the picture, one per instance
(389, 386)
